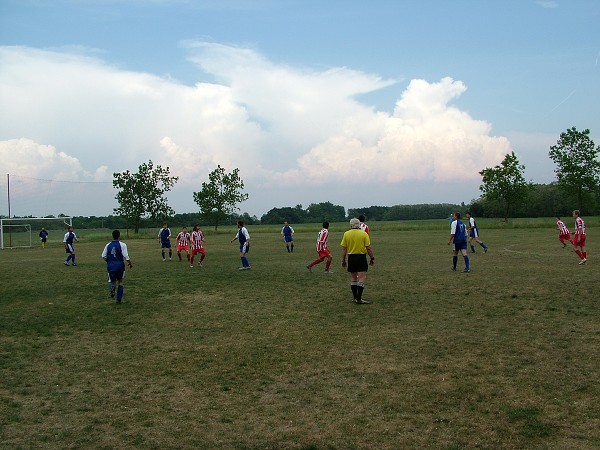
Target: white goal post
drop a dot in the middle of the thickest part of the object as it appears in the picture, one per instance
(16, 232)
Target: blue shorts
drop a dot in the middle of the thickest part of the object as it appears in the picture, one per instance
(473, 233)
(115, 275)
(245, 247)
(288, 238)
(459, 246)
(165, 244)
(69, 248)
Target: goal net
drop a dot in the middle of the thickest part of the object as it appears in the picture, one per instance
(25, 232)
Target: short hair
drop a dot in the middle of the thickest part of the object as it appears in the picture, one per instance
(116, 234)
(468, 212)
(354, 223)
(241, 223)
(457, 215)
(361, 217)
(577, 212)
(325, 224)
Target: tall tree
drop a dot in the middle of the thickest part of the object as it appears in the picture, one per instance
(505, 183)
(219, 197)
(577, 165)
(141, 194)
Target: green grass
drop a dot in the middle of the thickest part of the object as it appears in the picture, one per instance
(277, 357)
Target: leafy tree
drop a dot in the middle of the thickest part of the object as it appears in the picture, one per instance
(577, 165)
(505, 183)
(218, 198)
(279, 215)
(141, 194)
(319, 212)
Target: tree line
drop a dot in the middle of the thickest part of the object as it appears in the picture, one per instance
(505, 193)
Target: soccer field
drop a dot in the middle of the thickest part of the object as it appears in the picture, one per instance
(277, 357)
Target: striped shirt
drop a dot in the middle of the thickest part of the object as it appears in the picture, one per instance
(183, 238)
(322, 239)
(197, 238)
(562, 228)
(579, 227)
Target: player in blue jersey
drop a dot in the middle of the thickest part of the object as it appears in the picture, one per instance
(68, 240)
(288, 232)
(164, 237)
(115, 254)
(243, 238)
(474, 234)
(458, 237)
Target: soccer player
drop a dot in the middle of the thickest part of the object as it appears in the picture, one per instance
(197, 248)
(164, 237)
(68, 240)
(579, 238)
(288, 232)
(115, 254)
(357, 244)
(243, 238)
(183, 241)
(474, 234)
(458, 237)
(363, 225)
(43, 237)
(322, 250)
(563, 232)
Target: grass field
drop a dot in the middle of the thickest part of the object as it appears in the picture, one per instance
(504, 357)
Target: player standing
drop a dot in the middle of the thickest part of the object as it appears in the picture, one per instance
(43, 237)
(68, 240)
(563, 232)
(579, 238)
(322, 250)
(183, 241)
(243, 238)
(458, 237)
(357, 244)
(164, 237)
(115, 254)
(197, 248)
(288, 232)
(474, 234)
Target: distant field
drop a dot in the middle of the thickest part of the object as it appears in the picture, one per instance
(279, 358)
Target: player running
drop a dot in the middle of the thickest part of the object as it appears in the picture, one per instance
(197, 238)
(579, 238)
(183, 242)
(115, 254)
(474, 234)
(322, 250)
(563, 232)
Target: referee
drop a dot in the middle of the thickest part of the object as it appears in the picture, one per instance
(357, 244)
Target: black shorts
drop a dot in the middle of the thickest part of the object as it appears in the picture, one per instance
(357, 263)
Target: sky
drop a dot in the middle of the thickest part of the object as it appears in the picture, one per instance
(357, 103)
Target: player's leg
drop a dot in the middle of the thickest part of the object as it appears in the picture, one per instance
(328, 263)
(466, 258)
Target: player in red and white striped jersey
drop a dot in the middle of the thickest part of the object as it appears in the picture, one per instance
(183, 242)
(322, 250)
(579, 238)
(563, 232)
(197, 239)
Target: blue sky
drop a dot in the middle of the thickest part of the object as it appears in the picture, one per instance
(357, 103)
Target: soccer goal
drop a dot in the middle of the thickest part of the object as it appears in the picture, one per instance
(23, 232)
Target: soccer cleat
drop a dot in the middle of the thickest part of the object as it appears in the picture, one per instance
(485, 250)
(328, 271)
(309, 268)
(164, 259)
(466, 271)
(361, 302)
(66, 263)
(74, 264)
(191, 266)
(583, 261)
(113, 289)
(453, 269)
